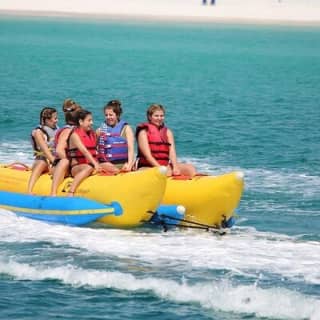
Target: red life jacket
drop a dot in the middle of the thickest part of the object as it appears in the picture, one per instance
(158, 143)
(89, 140)
(58, 133)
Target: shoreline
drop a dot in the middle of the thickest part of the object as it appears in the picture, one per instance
(250, 12)
(159, 18)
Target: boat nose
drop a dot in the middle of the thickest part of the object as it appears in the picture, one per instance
(117, 208)
(240, 175)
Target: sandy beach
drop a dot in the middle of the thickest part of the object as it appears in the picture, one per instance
(303, 12)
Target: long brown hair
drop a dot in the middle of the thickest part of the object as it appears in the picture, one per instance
(115, 106)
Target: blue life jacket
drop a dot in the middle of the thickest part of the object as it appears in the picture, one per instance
(112, 147)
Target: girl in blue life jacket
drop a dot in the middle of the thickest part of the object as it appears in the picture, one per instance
(115, 140)
(42, 139)
(156, 146)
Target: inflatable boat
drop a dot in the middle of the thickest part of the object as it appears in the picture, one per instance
(73, 211)
(208, 200)
(138, 192)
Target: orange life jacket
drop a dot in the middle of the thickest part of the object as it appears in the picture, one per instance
(158, 143)
(89, 140)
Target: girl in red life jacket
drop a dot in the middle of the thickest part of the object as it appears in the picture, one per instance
(43, 140)
(60, 166)
(156, 145)
(115, 140)
(81, 150)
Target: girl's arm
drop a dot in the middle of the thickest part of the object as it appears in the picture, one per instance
(173, 153)
(98, 131)
(130, 140)
(62, 144)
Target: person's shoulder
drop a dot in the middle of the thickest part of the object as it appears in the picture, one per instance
(127, 129)
(169, 131)
(66, 131)
(37, 131)
(142, 126)
(127, 125)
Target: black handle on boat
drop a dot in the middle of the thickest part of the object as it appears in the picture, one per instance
(192, 222)
(196, 225)
(214, 230)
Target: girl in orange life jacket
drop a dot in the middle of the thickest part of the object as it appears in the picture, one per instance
(43, 141)
(60, 165)
(156, 144)
(115, 140)
(81, 150)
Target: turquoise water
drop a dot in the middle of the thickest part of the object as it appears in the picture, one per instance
(238, 98)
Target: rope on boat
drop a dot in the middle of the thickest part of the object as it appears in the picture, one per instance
(17, 166)
(194, 225)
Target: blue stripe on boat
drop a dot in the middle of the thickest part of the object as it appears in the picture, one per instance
(66, 210)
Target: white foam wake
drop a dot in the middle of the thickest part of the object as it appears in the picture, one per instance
(265, 180)
(246, 252)
(278, 303)
(14, 151)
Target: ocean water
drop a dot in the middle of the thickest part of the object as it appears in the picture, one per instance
(238, 98)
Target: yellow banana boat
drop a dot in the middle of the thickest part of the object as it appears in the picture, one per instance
(209, 200)
(138, 192)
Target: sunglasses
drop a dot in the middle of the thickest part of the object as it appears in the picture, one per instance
(115, 102)
(72, 108)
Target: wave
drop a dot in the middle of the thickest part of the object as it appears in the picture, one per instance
(20, 151)
(245, 252)
(217, 295)
(265, 180)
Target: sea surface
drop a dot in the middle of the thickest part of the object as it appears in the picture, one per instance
(237, 98)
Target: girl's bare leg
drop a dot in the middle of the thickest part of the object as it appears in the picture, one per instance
(80, 172)
(38, 168)
(60, 171)
(187, 169)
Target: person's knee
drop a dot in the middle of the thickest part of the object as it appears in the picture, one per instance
(41, 166)
(64, 162)
(86, 171)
